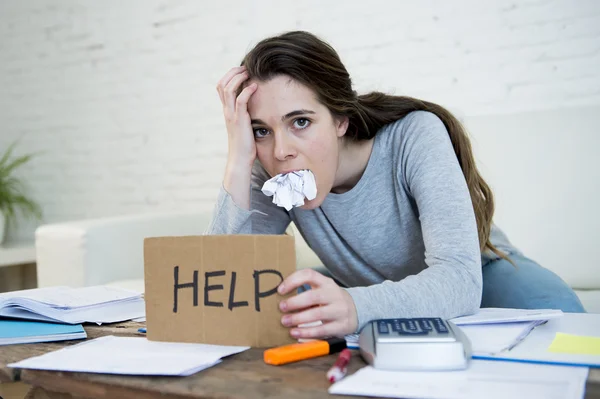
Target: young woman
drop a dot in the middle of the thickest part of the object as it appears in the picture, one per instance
(402, 219)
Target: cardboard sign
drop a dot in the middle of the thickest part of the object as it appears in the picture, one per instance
(219, 289)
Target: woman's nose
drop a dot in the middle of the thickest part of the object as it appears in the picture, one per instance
(284, 148)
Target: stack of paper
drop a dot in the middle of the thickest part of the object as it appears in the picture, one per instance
(495, 330)
(483, 379)
(25, 332)
(97, 304)
(133, 356)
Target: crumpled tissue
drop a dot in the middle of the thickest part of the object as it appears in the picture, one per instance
(288, 190)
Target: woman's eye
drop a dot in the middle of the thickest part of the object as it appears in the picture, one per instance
(260, 132)
(301, 123)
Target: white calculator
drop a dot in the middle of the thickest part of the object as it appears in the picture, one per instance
(416, 344)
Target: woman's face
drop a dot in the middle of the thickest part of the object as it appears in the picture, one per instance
(293, 131)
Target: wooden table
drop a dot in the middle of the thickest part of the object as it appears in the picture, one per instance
(244, 375)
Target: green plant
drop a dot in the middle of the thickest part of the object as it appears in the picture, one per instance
(12, 189)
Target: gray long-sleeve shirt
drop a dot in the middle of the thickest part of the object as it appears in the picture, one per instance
(403, 239)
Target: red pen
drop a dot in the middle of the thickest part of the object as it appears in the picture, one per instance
(338, 371)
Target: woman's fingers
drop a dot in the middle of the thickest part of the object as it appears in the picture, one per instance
(231, 90)
(334, 328)
(301, 277)
(317, 313)
(241, 102)
(304, 300)
(225, 80)
(242, 145)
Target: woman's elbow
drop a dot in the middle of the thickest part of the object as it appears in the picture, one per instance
(473, 289)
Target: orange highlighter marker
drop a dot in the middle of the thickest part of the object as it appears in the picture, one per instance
(305, 350)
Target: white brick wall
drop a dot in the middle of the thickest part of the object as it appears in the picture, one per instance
(120, 95)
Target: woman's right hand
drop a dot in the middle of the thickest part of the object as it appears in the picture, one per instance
(242, 148)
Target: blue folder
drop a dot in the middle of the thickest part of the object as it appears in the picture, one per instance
(14, 331)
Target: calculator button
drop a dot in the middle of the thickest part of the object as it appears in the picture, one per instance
(425, 324)
(409, 327)
(382, 327)
(439, 326)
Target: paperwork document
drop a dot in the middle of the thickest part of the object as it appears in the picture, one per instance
(538, 346)
(489, 339)
(483, 379)
(502, 315)
(131, 356)
(97, 304)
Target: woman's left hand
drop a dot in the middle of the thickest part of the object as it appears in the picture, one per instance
(325, 301)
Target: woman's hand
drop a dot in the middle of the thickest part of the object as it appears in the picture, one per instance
(325, 301)
(242, 148)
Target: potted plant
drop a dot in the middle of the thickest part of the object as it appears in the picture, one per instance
(12, 192)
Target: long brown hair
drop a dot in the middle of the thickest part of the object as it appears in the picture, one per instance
(314, 63)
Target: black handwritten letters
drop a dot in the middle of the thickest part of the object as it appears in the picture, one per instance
(232, 303)
(207, 288)
(212, 282)
(193, 284)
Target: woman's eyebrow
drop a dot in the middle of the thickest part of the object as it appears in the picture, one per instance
(286, 116)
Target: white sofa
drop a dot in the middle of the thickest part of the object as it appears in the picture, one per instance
(541, 165)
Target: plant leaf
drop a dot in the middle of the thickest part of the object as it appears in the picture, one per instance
(7, 154)
(12, 189)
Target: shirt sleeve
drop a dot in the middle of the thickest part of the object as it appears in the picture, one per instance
(451, 285)
(264, 217)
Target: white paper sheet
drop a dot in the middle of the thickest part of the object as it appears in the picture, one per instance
(489, 339)
(132, 356)
(66, 297)
(290, 189)
(501, 315)
(483, 379)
